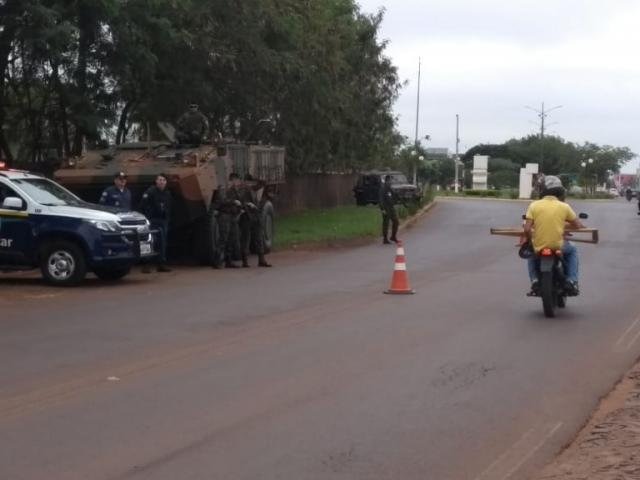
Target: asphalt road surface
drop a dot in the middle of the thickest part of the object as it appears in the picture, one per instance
(307, 371)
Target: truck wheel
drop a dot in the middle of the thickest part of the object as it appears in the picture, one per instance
(208, 240)
(360, 201)
(111, 274)
(268, 213)
(63, 263)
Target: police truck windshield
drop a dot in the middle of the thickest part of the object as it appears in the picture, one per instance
(46, 192)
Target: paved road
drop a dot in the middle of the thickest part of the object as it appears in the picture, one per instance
(306, 371)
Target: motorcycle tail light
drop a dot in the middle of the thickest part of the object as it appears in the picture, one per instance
(546, 252)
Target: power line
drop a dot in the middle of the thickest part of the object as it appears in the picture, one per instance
(542, 114)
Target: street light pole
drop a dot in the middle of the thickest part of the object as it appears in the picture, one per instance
(457, 158)
(415, 165)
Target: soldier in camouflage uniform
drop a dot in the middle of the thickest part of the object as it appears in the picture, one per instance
(251, 226)
(229, 206)
(193, 126)
(388, 208)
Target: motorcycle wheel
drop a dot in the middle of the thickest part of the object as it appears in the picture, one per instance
(548, 294)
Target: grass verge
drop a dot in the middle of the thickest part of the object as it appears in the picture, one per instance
(335, 224)
(322, 226)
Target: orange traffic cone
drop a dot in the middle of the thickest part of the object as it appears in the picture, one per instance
(400, 279)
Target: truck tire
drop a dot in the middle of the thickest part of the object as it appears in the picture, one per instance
(62, 263)
(111, 274)
(268, 214)
(208, 240)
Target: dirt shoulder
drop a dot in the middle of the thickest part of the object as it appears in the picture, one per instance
(608, 447)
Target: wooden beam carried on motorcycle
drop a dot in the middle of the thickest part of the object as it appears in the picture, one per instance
(519, 231)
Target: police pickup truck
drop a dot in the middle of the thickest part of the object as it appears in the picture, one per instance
(44, 225)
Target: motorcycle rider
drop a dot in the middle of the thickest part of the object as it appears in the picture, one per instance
(544, 227)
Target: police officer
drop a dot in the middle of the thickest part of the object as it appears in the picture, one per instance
(117, 195)
(251, 226)
(388, 209)
(156, 206)
(193, 126)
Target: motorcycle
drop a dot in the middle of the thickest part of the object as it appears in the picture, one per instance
(552, 279)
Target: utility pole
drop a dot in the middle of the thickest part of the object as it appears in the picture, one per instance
(415, 164)
(543, 114)
(457, 159)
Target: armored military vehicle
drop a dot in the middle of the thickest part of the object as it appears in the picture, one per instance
(196, 176)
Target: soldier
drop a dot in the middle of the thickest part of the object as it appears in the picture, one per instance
(193, 126)
(388, 209)
(229, 206)
(117, 195)
(156, 206)
(251, 226)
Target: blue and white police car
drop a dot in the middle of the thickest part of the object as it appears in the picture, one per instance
(44, 225)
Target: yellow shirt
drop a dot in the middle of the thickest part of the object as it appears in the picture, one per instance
(549, 216)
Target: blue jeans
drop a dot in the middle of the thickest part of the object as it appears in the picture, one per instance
(571, 264)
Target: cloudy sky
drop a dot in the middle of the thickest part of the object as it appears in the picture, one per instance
(487, 59)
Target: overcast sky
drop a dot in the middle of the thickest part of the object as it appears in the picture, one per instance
(487, 59)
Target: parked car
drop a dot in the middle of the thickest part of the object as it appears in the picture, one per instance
(44, 225)
(367, 188)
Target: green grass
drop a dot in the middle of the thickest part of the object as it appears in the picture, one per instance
(317, 226)
(337, 224)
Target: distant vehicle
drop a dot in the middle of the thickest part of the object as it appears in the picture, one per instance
(614, 191)
(367, 188)
(44, 225)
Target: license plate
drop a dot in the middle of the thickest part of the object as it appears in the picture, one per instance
(145, 249)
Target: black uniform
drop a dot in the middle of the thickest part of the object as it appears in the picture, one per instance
(156, 206)
(387, 206)
(114, 197)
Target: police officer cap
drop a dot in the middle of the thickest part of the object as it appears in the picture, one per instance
(120, 175)
(552, 181)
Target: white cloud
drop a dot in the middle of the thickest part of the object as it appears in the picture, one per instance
(486, 60)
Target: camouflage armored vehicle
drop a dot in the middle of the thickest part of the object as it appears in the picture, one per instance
(196, 176)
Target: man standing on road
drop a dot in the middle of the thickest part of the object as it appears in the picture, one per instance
(544, 226)
(117, 195)
(193, 126)
(229, 206)
(156, 206)
(387, 207)
(251, 227)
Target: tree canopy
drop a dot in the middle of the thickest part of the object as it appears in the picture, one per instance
(85, 71)
(559, 157)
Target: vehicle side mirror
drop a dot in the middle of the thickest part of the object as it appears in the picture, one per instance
(13, 203)
(583, 216)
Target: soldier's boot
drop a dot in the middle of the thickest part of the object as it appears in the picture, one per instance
(262, 262)
(386, 241)
(394, 233)
(230, 264)
(163, 268)
(245, 261)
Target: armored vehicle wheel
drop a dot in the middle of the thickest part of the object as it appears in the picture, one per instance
(208, 240)
(268, 212)
(111, 274)
(62, 263)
